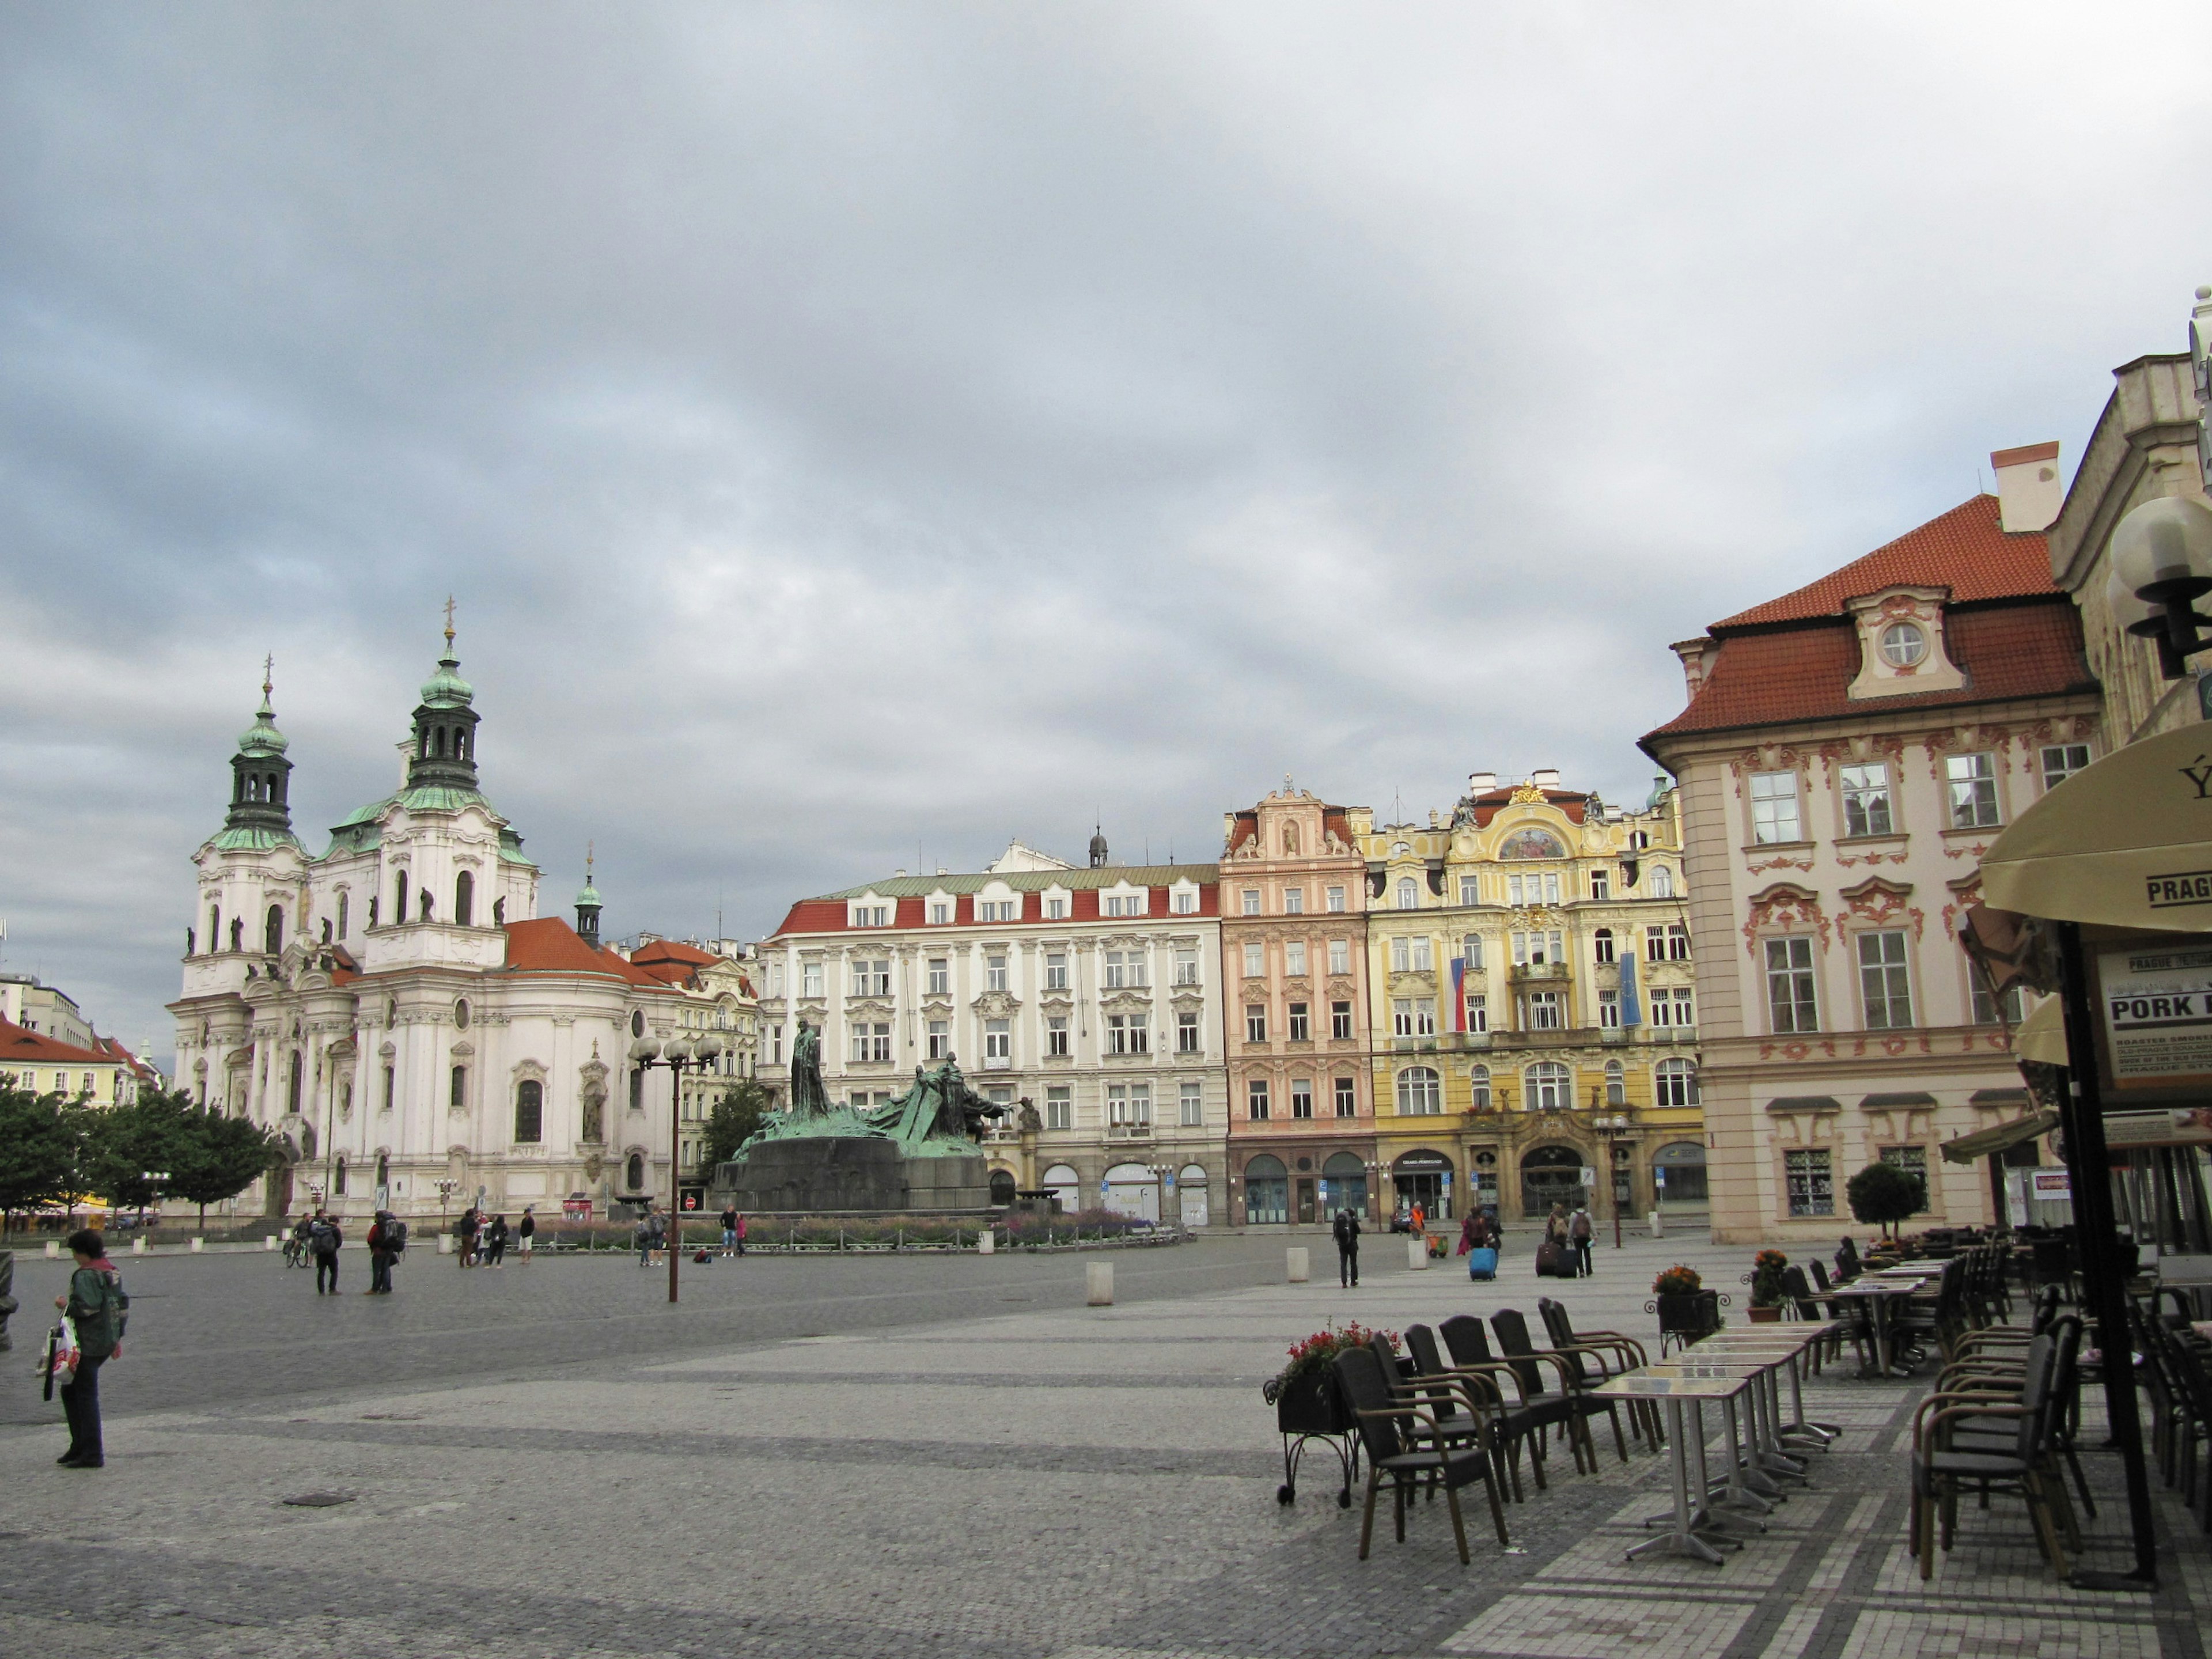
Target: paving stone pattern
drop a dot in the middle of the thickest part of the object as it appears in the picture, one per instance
(1050, 1482)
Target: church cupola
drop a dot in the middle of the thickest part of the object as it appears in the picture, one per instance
(588, 908)
(1098, 846)
(444, 742)
(260, 774)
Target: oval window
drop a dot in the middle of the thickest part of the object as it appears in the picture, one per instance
(1903, 645)
(637, 1022)
(461, 1013)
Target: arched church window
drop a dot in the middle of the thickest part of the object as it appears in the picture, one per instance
(215, 927)
(458, 1095)
(438, 742)
(272, 934)
(465, 899)
(337, 1177)
(292, 1087)
(383, 1173)
(637, 1087)
(341, 915)
(400, 898)
(529, 1111)
(634, 1172)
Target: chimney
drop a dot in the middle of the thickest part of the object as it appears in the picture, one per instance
(1693, 653)
(2029, 491)
(1545, 777)
(1481, 783)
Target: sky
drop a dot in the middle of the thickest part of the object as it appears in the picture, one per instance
(856, 435)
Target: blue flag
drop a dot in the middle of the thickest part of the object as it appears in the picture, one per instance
(1631, 1015)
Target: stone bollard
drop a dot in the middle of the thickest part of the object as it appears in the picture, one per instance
(1299, 1264)
(199, 1243)
(1417, 1254)
(138, 1245)
(1098, 1284)
(1658, 1223)
(268, 1241)
(445, 1243)
(53, 1249)
(986, 1242)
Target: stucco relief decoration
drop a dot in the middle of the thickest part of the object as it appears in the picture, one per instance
(1784, 908)
(1965, 893)
(1860, 750)
(1531, 843)
(1773, 758)
(1877, 901)
(1805, 864)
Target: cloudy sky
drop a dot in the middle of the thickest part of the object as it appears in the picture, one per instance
(856, 436)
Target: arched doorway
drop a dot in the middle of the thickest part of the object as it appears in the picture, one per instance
(1549, 1175)
(1266, 1191)
(1002, 1191)
(1678, 1173)
(1343, 1185)
(1191, 1190)
(1065, 1186)
(1423, 1177)
(1132, 1189)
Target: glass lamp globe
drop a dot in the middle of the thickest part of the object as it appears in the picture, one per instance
(2168, 540)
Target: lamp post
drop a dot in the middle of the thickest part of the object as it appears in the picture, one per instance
(153, 1179)
(676, 1054)
(1165, 1173)
(2161, 565)
(1611, 1128)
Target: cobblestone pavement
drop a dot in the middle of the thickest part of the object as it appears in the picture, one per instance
(1046, 1481)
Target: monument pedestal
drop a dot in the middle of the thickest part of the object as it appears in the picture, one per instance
(829, 1174)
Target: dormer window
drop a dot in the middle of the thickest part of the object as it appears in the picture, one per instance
(869, 911)
(1903, 645)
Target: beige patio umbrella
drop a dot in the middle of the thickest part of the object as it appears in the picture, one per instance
(2127, 842)
(2042, 1035)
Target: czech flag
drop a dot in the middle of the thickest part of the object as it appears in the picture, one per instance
(1459, 994)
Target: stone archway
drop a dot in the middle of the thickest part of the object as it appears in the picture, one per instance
(1550, 1175)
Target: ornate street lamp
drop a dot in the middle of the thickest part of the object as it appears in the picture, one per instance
(676, 1054)
(2161, 560)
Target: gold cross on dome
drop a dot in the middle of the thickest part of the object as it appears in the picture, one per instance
(449, 619)
(268, 674)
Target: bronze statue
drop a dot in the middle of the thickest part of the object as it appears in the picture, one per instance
(808, 1097)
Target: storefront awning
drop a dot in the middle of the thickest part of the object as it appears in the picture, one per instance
(2042, 1035)
(2127, 842)
(1983, 1142)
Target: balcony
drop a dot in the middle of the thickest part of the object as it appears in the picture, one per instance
(1540, 973)
(1128, 1131)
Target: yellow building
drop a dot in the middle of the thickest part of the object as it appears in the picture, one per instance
(1532, 1006)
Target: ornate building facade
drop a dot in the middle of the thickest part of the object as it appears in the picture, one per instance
(1531, 1010)
(1087, 1002)
(397, 1009)
(1849, 752)
(1294, 964)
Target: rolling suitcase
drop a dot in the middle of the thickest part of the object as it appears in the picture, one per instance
(1551, 1261)
(1482, 1263)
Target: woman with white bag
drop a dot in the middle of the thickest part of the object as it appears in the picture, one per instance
(89, 1335)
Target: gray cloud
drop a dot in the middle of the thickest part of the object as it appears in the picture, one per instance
(858, 434)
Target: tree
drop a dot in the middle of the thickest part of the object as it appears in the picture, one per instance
(221, 1158)
(735, 1120)
(1882, 1194)
(41, 1138)
(125, 1144)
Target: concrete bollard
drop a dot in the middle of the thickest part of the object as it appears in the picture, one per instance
(268, 1241)
(138, 1245)
(1300, 1267)
(986, 1242)
(1658, 1223)
(1417, 1254)
(53, 1249)
(445, 1243)
(199, 1243)
(1098, 1284)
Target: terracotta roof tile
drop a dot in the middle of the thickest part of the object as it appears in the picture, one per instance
(1782, 675)
(548, 944)
(669, 949)
(35, 1048)
(1965, 549)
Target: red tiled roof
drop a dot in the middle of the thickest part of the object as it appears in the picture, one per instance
(550, 945)
(669, 949)
(1965, 549)
(1788, 674)
(828, 915)
(1487, 805)
(35, 1048)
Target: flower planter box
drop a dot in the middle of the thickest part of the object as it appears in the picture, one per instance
(1311, 1405)
(1685, 1318)
(1765, 1315)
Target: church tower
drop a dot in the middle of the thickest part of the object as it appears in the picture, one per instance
(588, 908)
(444, 727)
(251, 896)
(260, 775)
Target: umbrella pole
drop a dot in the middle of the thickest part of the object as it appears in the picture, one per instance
(2088, 1172)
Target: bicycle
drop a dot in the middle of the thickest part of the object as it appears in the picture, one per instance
(296, 1253)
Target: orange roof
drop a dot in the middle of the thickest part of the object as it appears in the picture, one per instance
(1966, 550)
(1776, 676)
(33, 1048)
(669, 949)
(550, 945)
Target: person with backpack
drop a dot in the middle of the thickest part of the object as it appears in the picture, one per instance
(495, 1242)
(325, 1240)
(466, 1227)
(386, 1238)
(527, 1231)
(1346, 1231)
(97, 1309)
(1582, 1234)
(650, 1232)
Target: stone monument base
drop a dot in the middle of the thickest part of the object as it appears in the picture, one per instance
(813, 1175)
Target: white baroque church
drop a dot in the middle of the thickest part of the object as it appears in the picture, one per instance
(396, 1008)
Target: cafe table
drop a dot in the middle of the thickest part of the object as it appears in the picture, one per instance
(1756, 1451)
(1792, 1342)
(1880, 1291)
(1694, 1528)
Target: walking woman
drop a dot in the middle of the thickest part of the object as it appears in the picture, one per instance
(495, 1237)
(97, 1308)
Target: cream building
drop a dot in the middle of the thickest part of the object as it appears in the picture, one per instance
(1849, 752)
(1086, 1000)
(1532, 1010)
